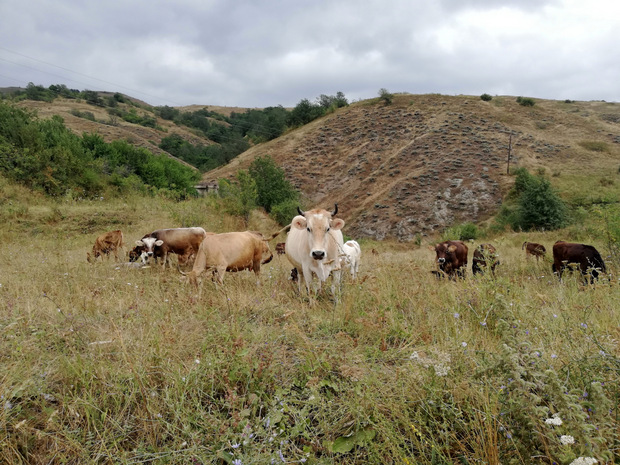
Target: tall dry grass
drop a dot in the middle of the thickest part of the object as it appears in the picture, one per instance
(104, 364)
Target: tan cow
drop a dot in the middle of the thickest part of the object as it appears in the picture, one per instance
(183, 242)
(108, 242)
(314, 245)
(232, 251)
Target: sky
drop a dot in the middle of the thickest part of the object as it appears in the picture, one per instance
(260, 53)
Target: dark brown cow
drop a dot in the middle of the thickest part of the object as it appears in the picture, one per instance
(281, 248)
(451, 258)
(532, 248)
(585, 257)
(108, 242)
(183, 242)
(485, 257)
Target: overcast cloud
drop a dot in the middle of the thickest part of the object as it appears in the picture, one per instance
(276, 52)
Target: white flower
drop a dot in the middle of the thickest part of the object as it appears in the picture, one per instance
(464, 344)
(555, 421)
(584, 461)
(441, 370)
(197, 362)
(565, 439)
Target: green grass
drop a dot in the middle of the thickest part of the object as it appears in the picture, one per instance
(100, 364)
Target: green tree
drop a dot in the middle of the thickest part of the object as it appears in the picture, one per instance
(386, 96)
(539, 207)
(271, 183)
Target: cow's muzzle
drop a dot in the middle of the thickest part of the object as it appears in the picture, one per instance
(318, 255)
(441, 260)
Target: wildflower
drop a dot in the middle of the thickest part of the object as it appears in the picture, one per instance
(601, 352)
(236, 445)
(197, 362)
(237, 462)
(483, 323)
(554, 356)
(281, 455)
(584, 461)
(555, 421)
(584, 325)
(414, 356)
(565, 439)
(441, 369)
(554, 315)
(456, 315)
(464, 344)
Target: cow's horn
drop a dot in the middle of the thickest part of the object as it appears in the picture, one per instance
(335, 209)
(300, 212)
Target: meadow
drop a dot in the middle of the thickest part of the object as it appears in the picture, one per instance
(104, 364)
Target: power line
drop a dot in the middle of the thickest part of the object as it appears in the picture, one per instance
(78, 73)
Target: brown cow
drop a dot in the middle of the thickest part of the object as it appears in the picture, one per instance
(183, 242)
(532, 248)
(485, 256)
(451, 258)
(108, 242)
(281, 248)
(232, 251)
(584, 256)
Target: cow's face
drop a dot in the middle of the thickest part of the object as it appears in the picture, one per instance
(318, 226)
(445, 253)
(149, 244)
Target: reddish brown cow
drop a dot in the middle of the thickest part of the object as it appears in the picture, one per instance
(281, 248)
(108, 242)
(532, 248)
(485, 257)
(585, 257)
(451, 258)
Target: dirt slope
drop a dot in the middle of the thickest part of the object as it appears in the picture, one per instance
(427, 161)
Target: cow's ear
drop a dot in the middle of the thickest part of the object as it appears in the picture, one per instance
(299, 222)
(140, 243)
(337, 223)
(159, 243)
(452, 248)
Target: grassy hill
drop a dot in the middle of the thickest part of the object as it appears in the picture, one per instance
(427, 161)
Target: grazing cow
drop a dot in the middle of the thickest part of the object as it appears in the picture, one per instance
(485, 257)
(532, 248)
(352, 255)
(280, 248)
(584, 256)
(183, 242)
(451, 258)
(232, 251)
(108, 242)
(314, 245)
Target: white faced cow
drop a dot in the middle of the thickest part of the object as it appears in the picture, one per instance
(183, 242)
(352, 254)
(314, 245)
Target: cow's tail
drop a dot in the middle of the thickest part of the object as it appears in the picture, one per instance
(523, 246)
(276, 234)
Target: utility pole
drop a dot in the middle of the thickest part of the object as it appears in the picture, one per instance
(509, 154)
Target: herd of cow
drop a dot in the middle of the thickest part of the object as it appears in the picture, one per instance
(452, 258)
(315, 247)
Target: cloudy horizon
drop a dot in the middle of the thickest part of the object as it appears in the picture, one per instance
(275, 52)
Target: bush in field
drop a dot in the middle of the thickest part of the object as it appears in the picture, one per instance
(285, 211)
(272, 187)
(462, 232)
(239, 198)
(486, 97)
(532, 204)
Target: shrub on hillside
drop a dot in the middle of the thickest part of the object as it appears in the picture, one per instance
(386, 96)
(525, 101)
(285, 211)
(486, 97)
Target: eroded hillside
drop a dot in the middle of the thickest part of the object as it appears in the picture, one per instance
(427, 161)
